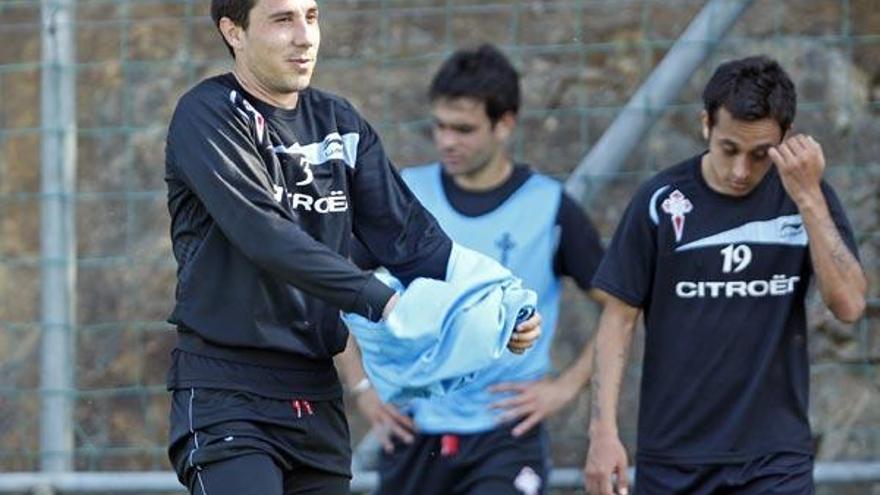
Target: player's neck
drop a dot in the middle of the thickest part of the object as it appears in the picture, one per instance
(495, 173)
(252, 85)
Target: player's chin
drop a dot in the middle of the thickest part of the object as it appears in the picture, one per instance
(298, 82)
(739, 189)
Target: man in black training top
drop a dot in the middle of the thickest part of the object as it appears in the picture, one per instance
(718, 252)
(268, 180)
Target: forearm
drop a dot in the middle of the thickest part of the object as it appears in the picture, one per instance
(577, 376)
(294, 256)
(612, 350)
(399, 233)
(228, 181)
(349, 364)
(839, 275)
(801, 163)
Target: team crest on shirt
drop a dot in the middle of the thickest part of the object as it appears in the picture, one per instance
(677, 205)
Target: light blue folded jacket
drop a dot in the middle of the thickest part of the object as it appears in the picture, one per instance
(441, 334)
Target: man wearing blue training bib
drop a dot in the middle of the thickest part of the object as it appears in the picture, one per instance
(718, 252)
(486, 437)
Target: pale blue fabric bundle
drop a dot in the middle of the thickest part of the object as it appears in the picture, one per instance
(441, 333)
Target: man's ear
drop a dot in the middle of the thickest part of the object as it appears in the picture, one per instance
(505, 125)
(232, 33)
(704, 123)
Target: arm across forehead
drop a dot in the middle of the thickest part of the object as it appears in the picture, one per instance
(840, 277)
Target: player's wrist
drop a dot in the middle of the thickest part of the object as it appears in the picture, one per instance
(570, 385)
(390, 305)
(360, 387)
(813, 205)
(599, 429)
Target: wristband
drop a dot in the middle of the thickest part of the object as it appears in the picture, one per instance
(361, 387)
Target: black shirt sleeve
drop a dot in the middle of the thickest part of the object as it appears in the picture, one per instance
(838, 215)
(627, 269)
(214, 152)
(361, 256)
(396, 230)
(580, 248)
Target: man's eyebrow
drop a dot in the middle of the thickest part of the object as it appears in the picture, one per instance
(762, 147)
(282, 13)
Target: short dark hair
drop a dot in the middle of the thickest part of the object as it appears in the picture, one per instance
(482, 73)
(751, 88)
(238, 11)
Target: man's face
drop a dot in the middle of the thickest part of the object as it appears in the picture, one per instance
(465, 137)
(737, 160)
(280, 45)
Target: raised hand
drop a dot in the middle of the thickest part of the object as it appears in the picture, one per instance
(801, 163)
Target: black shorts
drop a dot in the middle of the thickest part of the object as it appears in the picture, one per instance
(226, 442)
(490, 463)
(772, 474)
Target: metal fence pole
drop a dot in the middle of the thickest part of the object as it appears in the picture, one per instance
(57, 234)
(667, 79)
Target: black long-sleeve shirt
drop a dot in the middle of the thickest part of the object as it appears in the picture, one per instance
(264, 202)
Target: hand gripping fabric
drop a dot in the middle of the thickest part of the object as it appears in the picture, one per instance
(441, 333)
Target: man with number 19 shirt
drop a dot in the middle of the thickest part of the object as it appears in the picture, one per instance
(718, 252)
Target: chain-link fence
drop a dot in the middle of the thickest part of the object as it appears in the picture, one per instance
(581, 61)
